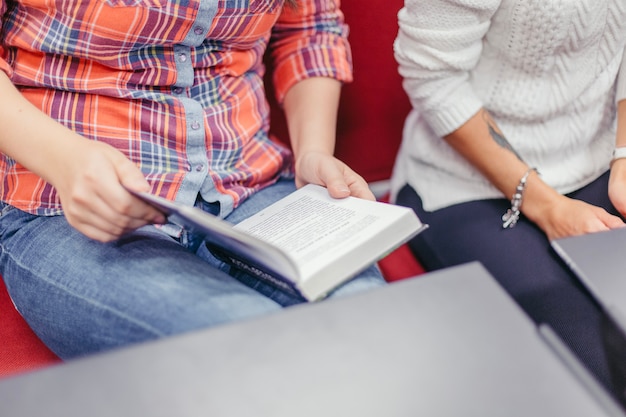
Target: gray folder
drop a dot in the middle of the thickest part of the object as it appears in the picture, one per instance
(448, 343)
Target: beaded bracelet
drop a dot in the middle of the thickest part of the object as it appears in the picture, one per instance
(510, 218)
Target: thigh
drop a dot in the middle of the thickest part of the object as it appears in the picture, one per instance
(261, 199)
(522, 261)
(597, 194)
(521, 258)
(82, 296)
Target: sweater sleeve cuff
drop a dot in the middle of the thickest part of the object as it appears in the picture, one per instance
(454, 112)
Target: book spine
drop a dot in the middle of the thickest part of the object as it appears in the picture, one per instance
(256, 271)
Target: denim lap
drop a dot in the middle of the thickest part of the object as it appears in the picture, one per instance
(81, 296)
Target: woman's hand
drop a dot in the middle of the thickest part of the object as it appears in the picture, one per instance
(617, 185)
(311, 110)
(92, 187)
(90, 177)
(569, 217)
(324, 169)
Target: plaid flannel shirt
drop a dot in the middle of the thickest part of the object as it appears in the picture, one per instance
(177, 86)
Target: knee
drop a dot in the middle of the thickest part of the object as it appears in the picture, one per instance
(367, 280)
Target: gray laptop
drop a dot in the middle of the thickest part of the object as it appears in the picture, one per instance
(599, 261)
(449, 343)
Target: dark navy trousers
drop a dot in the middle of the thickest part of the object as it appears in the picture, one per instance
(522, 261)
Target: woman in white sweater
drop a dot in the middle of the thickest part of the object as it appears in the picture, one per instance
(516, 96)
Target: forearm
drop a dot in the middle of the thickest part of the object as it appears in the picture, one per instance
(482, 143)
(620, 139)
(311, 111)
(617, 181)
(29, 136)
(618, 165)
(89, 176)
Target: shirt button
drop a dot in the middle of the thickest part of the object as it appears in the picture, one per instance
(195, 125)
(199, 167)
(178, 90)
(182, 57)
(198, 30)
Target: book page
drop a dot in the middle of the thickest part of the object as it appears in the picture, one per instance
(310, 225)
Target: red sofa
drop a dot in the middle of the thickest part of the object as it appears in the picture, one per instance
(371, 116)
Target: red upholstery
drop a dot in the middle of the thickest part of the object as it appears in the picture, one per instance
(371, 115)
(373, 107)
(20, 349)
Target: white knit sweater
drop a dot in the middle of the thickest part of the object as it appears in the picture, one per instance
(548, 71)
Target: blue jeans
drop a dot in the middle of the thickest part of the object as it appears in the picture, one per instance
(81, 296)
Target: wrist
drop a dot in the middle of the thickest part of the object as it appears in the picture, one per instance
(510, 218)
(539, 200)
(618, 153)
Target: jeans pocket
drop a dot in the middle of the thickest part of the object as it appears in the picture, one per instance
(11, 220)
(5, 208)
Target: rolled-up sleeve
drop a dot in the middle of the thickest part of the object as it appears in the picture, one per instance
(310, 40)
(4, 66)
(439, 42)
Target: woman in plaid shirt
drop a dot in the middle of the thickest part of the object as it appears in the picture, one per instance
(166, 97)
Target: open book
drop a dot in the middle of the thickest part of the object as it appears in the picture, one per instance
(307, 243)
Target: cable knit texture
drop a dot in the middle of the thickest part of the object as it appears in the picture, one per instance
(548, 71)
